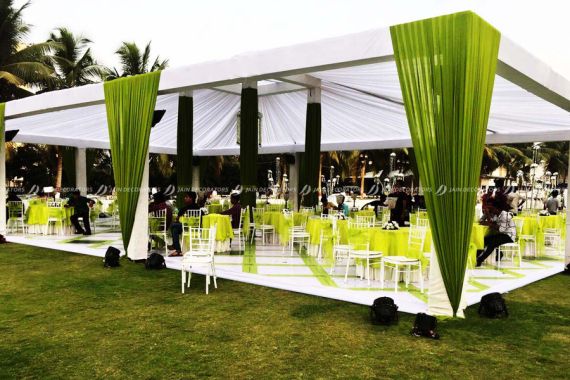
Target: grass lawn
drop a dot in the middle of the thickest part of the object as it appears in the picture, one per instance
(62, 315)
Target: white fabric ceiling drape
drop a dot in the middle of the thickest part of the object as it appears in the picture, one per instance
(361, 109)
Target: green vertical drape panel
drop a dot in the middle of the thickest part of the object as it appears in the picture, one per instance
(2, 112)
(248, 146)
(184, 145)
(446, 66)
(130, 106)
(311, 158)
(69, 178)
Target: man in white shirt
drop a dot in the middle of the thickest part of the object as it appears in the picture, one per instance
(515, 200)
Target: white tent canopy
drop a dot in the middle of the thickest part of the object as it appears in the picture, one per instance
(362, 105)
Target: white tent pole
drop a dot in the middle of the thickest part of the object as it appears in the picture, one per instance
(81, 170)
(138, 244)
(567, 242)
(2, 186)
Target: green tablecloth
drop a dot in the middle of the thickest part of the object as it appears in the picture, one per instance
(38, 213)
(214, 208)
(223, 225)
(281, 223)
(389, 242)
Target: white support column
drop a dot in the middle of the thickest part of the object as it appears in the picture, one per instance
(81, 170)
(196, 178)
(138, 244)
(2, 186)
(567, 242)
(294, 182)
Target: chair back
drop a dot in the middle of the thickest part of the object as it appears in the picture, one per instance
(358, 238)
(54, 204)
(355, 224)
(258, 214)
(157, 221)
(416, 239)
(422, 222)
(202, 240)
(519, 223)
(193, 218)
(385, 215)
(15, 209)
(306, 210)
(365, 219)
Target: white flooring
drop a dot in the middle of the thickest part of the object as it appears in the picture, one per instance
(270, 266)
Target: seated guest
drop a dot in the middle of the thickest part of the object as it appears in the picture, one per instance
(342, 206)
(234, 211)
(552, 204)
(503, 231)
(160, 202)
(81, 207)
(176, 228)
(325, 204)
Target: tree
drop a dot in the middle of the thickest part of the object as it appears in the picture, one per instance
(73, 66)
(134, 61)
(21, 66)
(72, 60)
(495, 156)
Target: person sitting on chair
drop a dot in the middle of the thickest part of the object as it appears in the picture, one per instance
(343, 207)
(552, 204)
(81, 207)
(503, 231)
(234, 211)
(176, 227)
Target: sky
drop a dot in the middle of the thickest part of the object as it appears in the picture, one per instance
(190, 31)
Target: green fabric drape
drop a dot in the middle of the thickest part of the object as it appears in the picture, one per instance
(130, 106)
(69, 178)
(446, 66)
(248, 146)
(311, 158)
(2, 112)
(184, 145)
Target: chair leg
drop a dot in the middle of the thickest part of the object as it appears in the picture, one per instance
(396, 278)
(346, 271)
(421, 278)
(382, 268)
(368, 270)
(183, 279)
(214, 276)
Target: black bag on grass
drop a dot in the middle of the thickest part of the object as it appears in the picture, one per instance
(112, 257)
(384, 311)
(493, 306)
(155, 261)
(425, 325)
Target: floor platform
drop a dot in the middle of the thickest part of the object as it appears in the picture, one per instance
(272, 267)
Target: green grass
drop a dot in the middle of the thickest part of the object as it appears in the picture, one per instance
(63, 316)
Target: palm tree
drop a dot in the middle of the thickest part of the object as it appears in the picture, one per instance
(73, 66)
(21, 65)
(503, 155)
(72, 60)
(134, 61)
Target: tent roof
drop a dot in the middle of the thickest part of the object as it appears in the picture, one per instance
(362, 106)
